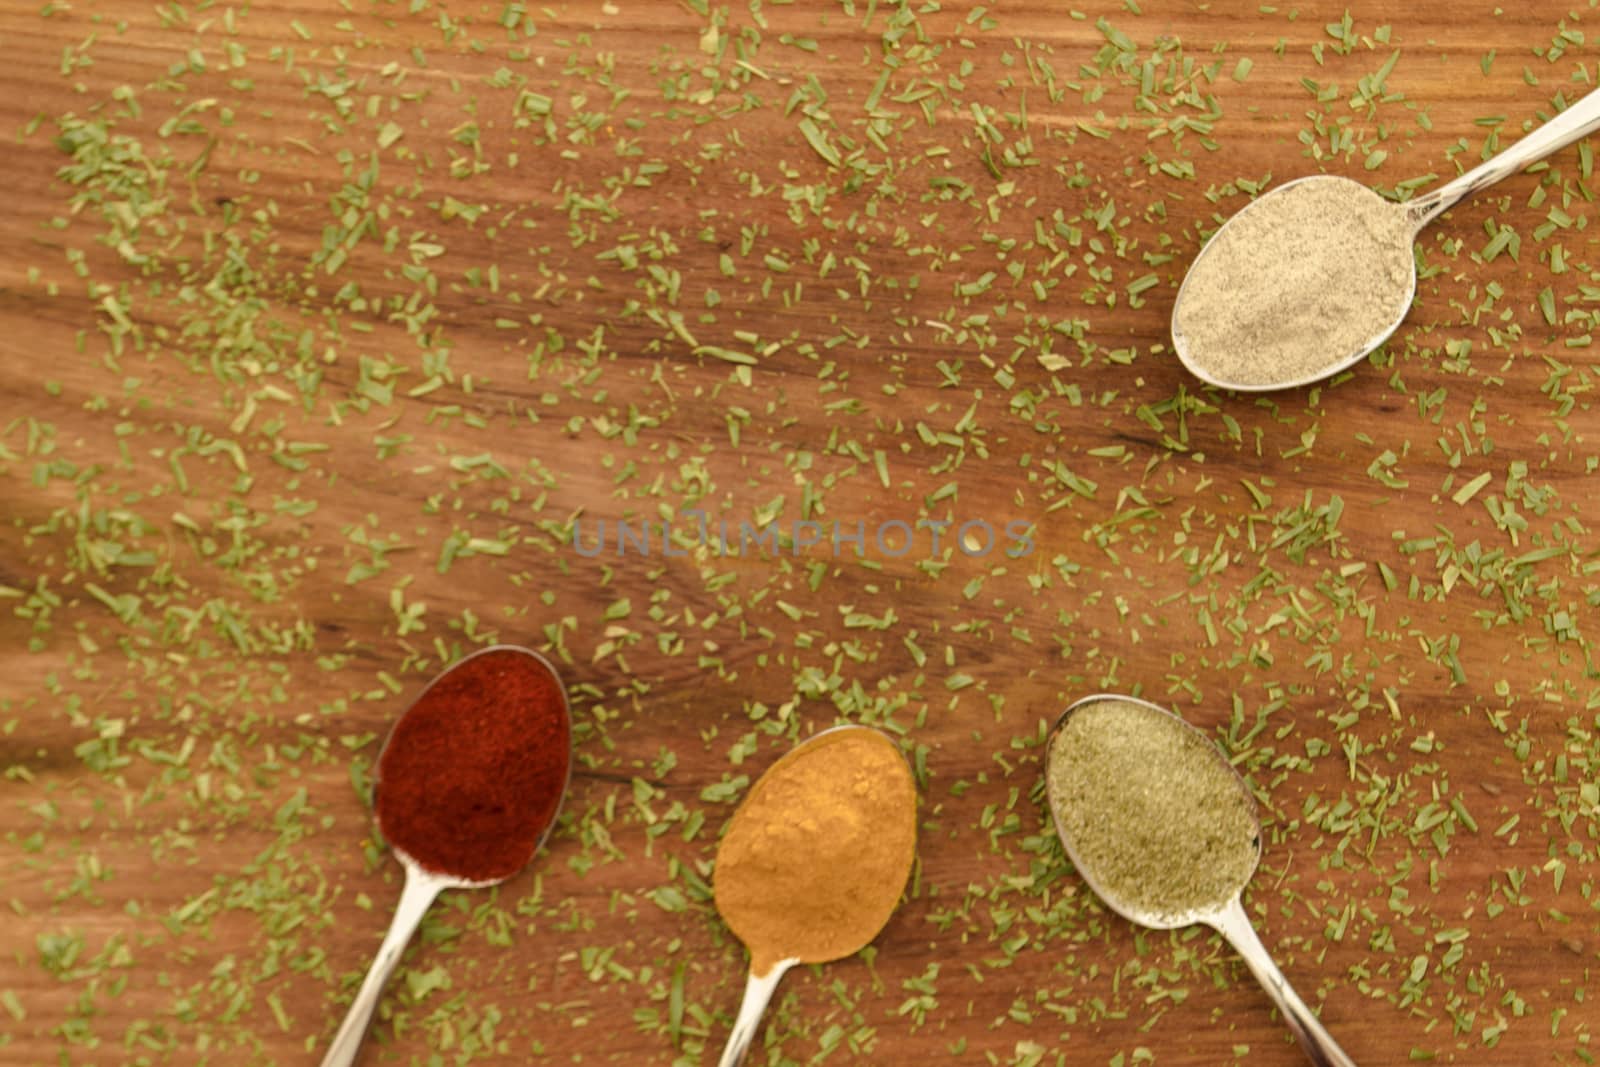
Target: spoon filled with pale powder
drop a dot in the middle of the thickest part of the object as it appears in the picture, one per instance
(1309, 279)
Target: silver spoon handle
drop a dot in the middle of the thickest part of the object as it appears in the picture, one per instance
(1319, 1046)
(419, 891)
(1578, 121)
(757, 991)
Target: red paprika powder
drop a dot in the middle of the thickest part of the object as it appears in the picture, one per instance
(473, 773)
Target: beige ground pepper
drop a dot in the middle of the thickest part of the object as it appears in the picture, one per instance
(1296, 284)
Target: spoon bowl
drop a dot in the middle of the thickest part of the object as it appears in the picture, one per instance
(1251, 344)
(422, 882)
(1226, 914)
(1340, 314)
(1155, 918)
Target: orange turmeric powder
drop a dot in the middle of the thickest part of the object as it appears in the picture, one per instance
(818, 854)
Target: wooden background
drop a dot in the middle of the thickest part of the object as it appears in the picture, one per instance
(276, 444)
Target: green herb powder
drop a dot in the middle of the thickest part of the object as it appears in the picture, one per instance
(1155, 818)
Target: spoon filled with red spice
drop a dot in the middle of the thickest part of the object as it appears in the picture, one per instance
(468, 785)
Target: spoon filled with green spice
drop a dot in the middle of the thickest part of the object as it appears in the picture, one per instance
(1166, 833)
(468, 785)
(1307, 280)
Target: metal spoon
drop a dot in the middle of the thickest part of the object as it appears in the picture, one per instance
(758, 990)
(1229, 919)
(421, 887)
(1576, 122)
(759, 987)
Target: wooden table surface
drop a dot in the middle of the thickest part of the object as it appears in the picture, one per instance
(333, 337)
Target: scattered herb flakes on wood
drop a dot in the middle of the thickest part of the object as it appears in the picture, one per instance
(338, 342)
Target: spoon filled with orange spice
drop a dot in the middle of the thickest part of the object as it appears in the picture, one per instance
(468, 785)
(814, 860)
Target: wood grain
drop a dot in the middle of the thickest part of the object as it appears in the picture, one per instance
(218, 513)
